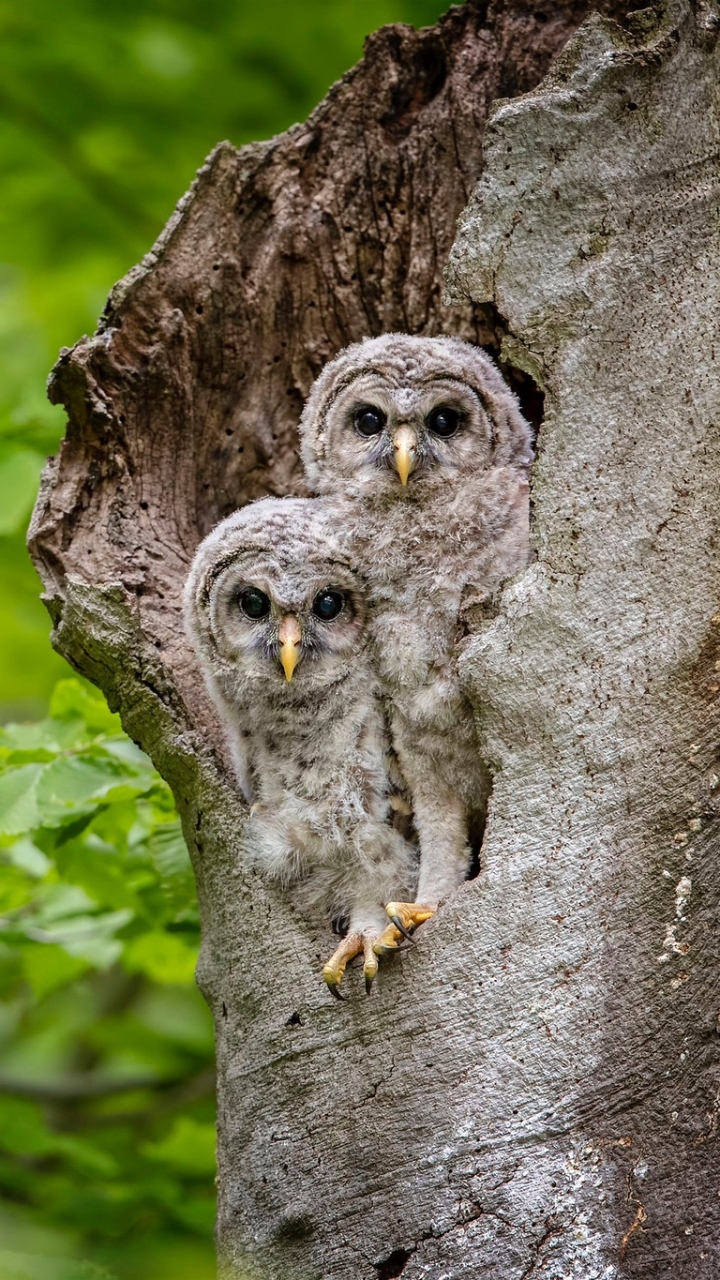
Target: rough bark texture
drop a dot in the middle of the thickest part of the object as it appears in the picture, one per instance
(534, 1089)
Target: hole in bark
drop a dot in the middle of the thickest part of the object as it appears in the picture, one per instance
(294, 1020)
(532, 398)
(476, 831)
(294, 1227)
(392, 1267)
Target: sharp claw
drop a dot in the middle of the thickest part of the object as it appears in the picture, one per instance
(335, 990)
(401, 929)
(371, 964)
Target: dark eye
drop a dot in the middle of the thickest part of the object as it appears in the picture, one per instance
(254, 603)
(443, 421)
(369, 421)
(328, 604)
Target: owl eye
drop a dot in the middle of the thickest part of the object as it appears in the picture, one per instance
(369, 421)
(328, 604)
(443, 421)
(254, 603)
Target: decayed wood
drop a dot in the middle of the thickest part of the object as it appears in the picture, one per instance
(186, 403)
(489, 1110)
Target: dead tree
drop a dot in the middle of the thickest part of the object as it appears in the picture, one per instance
(534, 1089)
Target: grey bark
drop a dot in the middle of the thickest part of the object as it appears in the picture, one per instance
(534, 1089)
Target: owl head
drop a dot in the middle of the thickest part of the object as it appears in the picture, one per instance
(271, 598)
(400, 414)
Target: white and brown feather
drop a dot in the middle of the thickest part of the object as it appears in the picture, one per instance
(453, 534)
(313, 754)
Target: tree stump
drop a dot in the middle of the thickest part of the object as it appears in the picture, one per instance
(534, 1089)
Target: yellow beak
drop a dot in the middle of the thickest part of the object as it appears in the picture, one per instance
(289, 636)
(405, 446)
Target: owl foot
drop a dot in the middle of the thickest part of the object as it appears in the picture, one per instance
(405, 917)
(354, 944)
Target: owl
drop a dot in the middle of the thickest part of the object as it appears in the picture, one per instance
(421, 451)
(279, 622)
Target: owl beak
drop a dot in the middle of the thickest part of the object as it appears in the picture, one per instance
(405, 446)
(289, 636)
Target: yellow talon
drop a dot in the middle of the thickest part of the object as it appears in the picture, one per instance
(411, 913)
(406, 916)
(388, 940)
(371, 964)
(333, 971)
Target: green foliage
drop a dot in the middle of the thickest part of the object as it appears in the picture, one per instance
(106, 1110)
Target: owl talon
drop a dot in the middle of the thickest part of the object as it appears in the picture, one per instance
(351, 946)
(370, 964)
(401, 929)
(388, 941)
(406, 916)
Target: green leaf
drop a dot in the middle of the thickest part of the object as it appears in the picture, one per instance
(164, 957)
(91, 938)
(102, 875)
(27, 857)
(46, 737)
(189, 1147)
(71, 699)
(171, 860)
(18, 799)
(15, 889)
(74, 783)
(49, 967)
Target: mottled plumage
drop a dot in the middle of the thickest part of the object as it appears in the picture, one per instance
(278, 619)
(421, 453)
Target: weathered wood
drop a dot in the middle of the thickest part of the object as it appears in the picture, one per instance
(492, 1109)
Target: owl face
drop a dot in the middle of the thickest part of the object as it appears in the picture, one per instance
(277, 621)
(400, 414)
(389, 434)
(274, 601)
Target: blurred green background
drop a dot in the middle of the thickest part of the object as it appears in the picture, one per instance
(106, 1087)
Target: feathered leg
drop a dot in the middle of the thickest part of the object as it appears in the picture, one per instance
(441, 821)
(366, 924)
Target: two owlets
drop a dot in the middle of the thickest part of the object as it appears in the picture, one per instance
(327, 631)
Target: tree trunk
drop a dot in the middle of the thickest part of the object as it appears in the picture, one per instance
(534, 1089)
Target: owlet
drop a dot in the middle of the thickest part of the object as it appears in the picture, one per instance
(279, 621)
(419, 448)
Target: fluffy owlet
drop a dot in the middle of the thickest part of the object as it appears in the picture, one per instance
(420, 449)
(279, 621)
